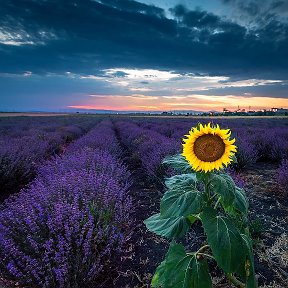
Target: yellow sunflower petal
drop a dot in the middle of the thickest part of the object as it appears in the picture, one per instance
(208, 147)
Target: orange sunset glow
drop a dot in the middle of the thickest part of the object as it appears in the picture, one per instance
(170, 103)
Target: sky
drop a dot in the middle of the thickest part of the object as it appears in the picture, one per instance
(165, 55)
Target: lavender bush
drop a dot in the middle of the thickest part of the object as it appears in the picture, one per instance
(247, 153)
(18, 161)
(150, 146)
(283, 174)
(67, 227)
(63, 233)
(91, 160)
(103, 137)
(27, 143)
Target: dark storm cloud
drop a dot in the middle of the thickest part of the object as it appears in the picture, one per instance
(270, 90)
(265, 9)
(250, 7)
(85, 36)
(133, 6)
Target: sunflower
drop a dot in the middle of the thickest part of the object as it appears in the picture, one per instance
(208, 147)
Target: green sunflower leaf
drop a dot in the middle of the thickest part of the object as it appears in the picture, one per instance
(246, 269)
(181, 202)
(192, 218)
(224, 239)
(182, 181)
(159, 276)
(223, 185)
(175, 227)
(200, 176)
(240, 204)
(178, 162)
(181, 270)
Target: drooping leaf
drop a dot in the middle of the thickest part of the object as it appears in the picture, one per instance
(181, 202)
(183, 181)
(178, 162)
(182, 198)
(223, 185)
(224, 239)
(175, 227)
(246, 269)
(239, 205)
(158, 278)
(197, 275)
(181, 270)
(192, 218)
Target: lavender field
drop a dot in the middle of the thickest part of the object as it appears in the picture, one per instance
(76, 189)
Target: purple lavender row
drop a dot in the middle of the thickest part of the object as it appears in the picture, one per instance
(148, 146)
(68, 227)
(21, 151)
(18, 127)
(104, 138)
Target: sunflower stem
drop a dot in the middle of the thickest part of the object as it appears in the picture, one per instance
(235, 281)
(201, 249)
(206, 255)
(207, 190)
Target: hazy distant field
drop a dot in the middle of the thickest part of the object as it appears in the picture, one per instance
(17, 114)
(30, 114)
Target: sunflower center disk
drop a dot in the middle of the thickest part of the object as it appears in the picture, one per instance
(209, 147)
